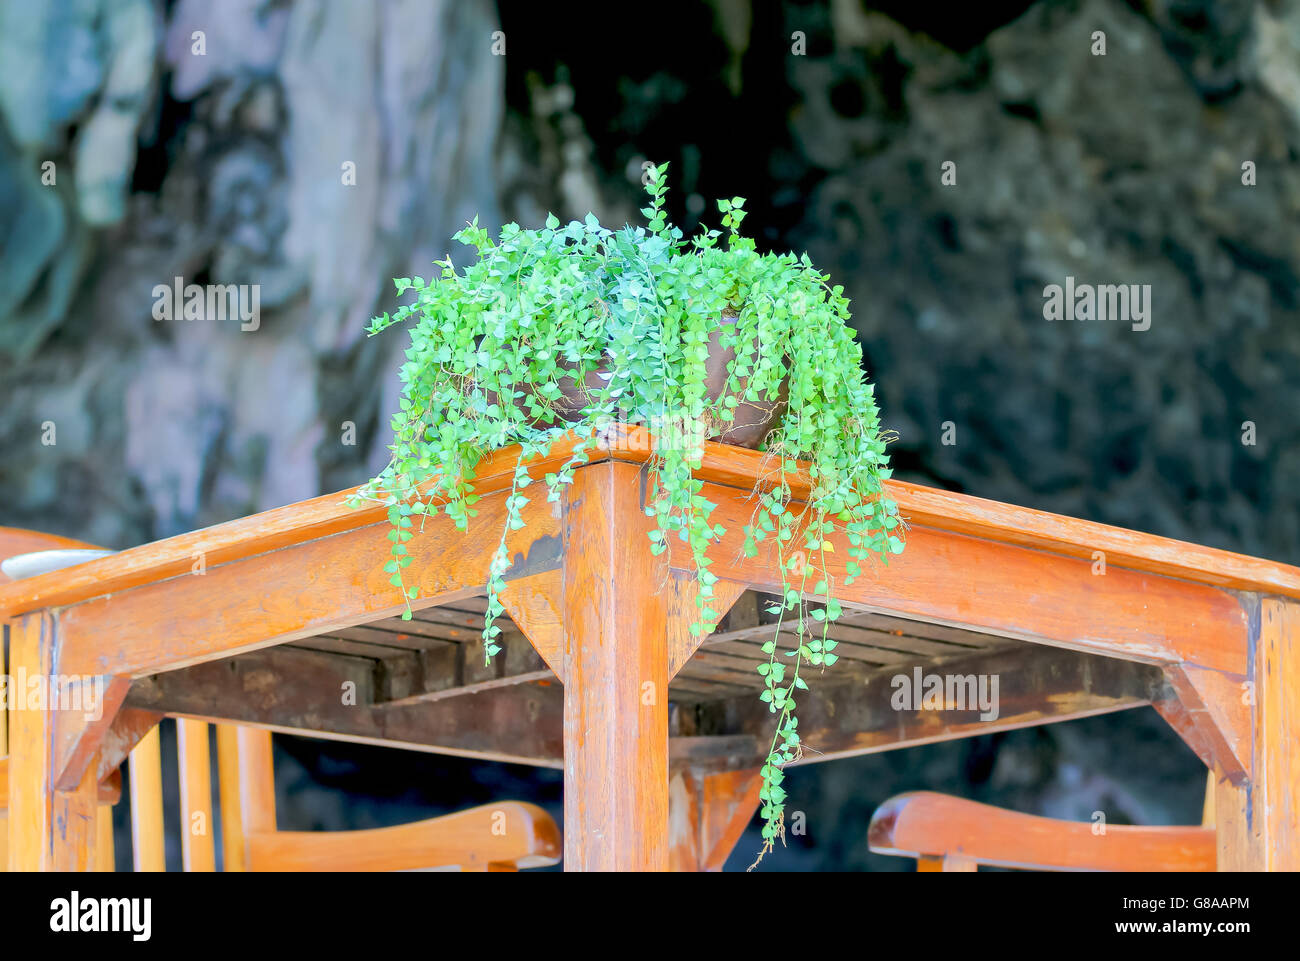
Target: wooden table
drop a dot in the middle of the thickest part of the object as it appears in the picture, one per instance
(286, 620)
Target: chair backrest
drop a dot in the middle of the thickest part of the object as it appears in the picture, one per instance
(505, 836)
(947, 833)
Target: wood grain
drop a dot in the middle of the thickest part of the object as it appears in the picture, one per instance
(144, 768)
(232, 821)
(1209, 712)
(105, 855)
(194, 763)
(532, 603)
(1036, 685)
(683, 591)
(709, 813)
(615, 616)
(261, 533)
(1003, 589)
(287, 594)
(1004, 523)
(321, 695)
(722, 465)
(924, 824)
(1258, 824)
(503, 836)
(48, 829)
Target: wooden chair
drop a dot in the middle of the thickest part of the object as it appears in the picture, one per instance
(506, 836)
(947, 833)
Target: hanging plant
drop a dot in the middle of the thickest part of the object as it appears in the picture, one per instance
(570, 327)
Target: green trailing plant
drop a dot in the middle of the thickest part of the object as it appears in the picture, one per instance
(632, 315)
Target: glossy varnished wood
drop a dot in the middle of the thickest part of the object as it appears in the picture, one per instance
(922, 824)
(291, 593)
(1013, 591)
(236, 540)
(144, 768)
(710, 811)
(615, 617)
(194, 763)
(311, 573)
(1258, 823)
(507, 835)
(48, 829)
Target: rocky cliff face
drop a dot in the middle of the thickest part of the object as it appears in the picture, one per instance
(315, 150)
(947, 169)
(1170, 162)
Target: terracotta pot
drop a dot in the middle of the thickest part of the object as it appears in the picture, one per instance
(753, 420)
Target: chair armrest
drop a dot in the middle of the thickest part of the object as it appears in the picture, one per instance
(511, 833)
(925, 824)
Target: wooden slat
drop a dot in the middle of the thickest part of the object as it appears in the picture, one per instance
(476, 604)
(365, 634)
(29, 763)
(973, 640)
(936, 825)
(435, 622)
(695, 672)
(897, 642)
(693, 690)
(301, 692)
(743, 668)
(256, 786)
(105, 855)
(232, 821)
(467, 689)
(753, 650)
(144, 767)
(194, 764)
(330, 644)
(1036, 685)
(424, 637)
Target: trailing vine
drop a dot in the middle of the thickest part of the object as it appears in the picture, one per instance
(632, 316)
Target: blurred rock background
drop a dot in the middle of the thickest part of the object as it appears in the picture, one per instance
(318, 149)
